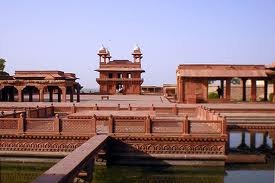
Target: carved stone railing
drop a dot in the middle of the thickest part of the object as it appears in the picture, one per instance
(83, 126)
(80, 159)
(208, 115)
(119, 125)
(206, 127)
(159, 110)
(135, 136)
(39, 112)
(39, 125)
(13, 114)
(9, 125)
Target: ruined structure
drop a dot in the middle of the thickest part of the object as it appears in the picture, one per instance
(38, 83)
(192, 80)
(152, 90)
(119, 76)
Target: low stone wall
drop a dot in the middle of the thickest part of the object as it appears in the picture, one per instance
(157, 138)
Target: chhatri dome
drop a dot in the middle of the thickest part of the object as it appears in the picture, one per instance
(102, 49)
(136, 48)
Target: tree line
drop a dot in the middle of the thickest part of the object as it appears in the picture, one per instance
(2, 64)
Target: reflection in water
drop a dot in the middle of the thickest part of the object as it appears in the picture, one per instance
(118, 174)
(237, 138)
(253, 173)
(21, 172)
(232, 174)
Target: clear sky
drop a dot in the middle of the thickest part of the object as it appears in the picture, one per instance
(66, 34)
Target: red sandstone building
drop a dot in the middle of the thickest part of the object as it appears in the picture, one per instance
(33, 85)
(192, 80)
(119, 76)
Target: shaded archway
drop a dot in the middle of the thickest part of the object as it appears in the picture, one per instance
(7, 93)
(54, 93)
(32, 93)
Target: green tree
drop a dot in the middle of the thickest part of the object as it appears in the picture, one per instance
(2, 64)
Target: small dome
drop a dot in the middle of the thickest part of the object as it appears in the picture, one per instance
(136, 48)
(102, 49)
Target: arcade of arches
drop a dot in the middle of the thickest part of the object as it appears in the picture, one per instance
(192, 81)
(35, 85)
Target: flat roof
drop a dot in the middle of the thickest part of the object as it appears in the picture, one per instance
(221, 71)
(48, 74)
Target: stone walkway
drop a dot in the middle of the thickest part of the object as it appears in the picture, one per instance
(136, 100)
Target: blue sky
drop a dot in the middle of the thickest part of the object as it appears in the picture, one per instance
(66, 34)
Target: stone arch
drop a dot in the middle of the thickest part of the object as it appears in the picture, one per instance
(54, 92)
(31, 90)
(7, 93)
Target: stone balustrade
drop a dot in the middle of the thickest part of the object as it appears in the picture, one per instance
(119, 125)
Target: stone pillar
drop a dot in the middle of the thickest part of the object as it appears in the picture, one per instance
(93, 124)
(185, 126)
(72, 94)
(222, 87)
(148, 128)
(56, 124)
(20, 94)
(253, 90)
(180, 90)
(265, 134)
(21, 123)
(59, 95)
(63, 94)
(265, 90)
(252, 141)
(228, 89)
(50, 94)
(41, 94)
(243, 146)
(111, 124)
(78, 94)
(244, 89)
(243, 138)
(273, 91)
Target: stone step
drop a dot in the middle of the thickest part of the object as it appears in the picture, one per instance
(251, 122)
(250, 119)
(248, 114)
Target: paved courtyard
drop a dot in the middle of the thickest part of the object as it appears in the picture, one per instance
(134, 100)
